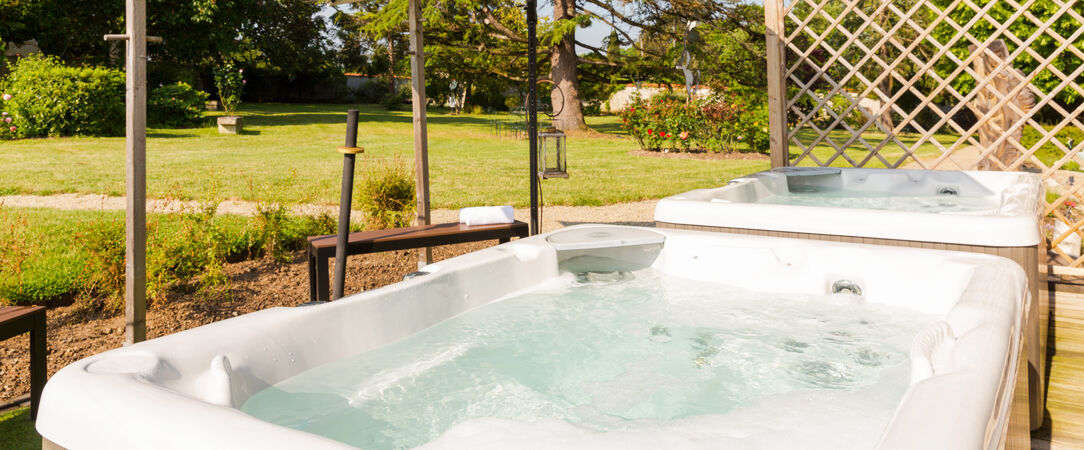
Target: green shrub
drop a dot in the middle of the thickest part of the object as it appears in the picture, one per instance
(176, 105)
(230, 82)
(397, 101)
(512, 101)
(185, 248)
(387, 195)
(50, 99)
(102, 240)
(276, 234)
(269, 230)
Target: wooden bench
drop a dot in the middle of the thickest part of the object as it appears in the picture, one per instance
(16, 320)
(322, 248)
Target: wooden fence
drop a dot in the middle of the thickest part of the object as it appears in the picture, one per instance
(935, 84)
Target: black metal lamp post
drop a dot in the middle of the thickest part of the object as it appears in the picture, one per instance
(532, 110)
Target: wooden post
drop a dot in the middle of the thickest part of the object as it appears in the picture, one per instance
(135, 266)
(777, 88)
(421, 139)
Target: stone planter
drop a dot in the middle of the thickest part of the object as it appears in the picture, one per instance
(211, 105)
(230, 124)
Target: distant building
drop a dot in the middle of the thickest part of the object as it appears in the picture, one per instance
(355, 81)
(624, 97)
(27, 48)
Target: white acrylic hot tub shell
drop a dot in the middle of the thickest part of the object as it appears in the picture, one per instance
(734, 206)
(179, 391)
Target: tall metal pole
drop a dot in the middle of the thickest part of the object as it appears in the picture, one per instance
(421, 139)
(532, 107)
(135, 266)
(349, 151)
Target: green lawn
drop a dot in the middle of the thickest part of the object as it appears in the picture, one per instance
(858, 152)
(17, 431)
(288, 153)
(892, 151)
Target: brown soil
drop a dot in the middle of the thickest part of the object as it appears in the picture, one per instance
(700, 154)
(255, 285)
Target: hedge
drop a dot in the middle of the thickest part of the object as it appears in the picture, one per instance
(47, 98)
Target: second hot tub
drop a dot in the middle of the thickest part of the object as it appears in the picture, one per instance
(980, 212)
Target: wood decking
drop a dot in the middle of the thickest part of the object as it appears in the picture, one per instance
(1064, 424)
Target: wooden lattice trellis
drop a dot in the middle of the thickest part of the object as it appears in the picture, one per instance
(934, 84)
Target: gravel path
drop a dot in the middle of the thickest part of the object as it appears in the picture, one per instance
(553, 217)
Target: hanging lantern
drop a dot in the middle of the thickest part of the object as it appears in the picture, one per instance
(551, 154)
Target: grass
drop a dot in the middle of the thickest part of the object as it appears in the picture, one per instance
(17, 431)
(288, 154)
(58, 265)
(891, 151)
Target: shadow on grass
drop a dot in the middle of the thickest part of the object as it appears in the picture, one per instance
(612, 128)
(281, 114)
(161, 135)
(17, 431)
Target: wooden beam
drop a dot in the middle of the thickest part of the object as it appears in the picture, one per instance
(777, 89)
(421, 138)
(135, 266)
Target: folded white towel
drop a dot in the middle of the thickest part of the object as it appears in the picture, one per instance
(486, 215)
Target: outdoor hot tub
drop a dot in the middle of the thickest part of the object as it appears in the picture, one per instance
(591, 337)
(982, 212)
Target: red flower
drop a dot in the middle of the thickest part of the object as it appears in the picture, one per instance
(1070, 204)
(632, 109)
(662, 134)
(650, 131)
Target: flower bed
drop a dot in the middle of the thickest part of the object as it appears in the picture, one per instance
(8, 127)
(723, 122)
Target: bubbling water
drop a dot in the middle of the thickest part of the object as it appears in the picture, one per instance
(811, 195)
(616, 359)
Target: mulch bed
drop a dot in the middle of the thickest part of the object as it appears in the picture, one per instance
(260, 284)
(700, 154)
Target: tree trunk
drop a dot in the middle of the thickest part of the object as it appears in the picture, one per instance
(391, 66)
(568, 110)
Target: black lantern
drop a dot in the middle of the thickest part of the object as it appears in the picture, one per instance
(551, 154)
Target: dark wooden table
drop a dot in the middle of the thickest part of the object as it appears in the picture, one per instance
(16, 320)
(322, 248)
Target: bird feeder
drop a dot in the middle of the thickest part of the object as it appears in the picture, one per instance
(551, 154)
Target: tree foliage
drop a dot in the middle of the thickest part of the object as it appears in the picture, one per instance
(280, 36)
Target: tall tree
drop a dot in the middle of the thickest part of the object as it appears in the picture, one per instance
(568, 111)
(647, 42)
